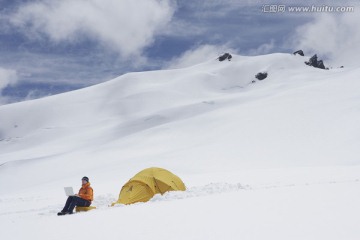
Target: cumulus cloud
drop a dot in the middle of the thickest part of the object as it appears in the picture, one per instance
(263, 48)
(125, 26)
(198, 55)
(7, 77)
(332, 36)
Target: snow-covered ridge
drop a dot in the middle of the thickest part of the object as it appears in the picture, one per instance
(137, 94)
(145, 94)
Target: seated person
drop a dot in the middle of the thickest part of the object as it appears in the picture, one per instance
(83, 199)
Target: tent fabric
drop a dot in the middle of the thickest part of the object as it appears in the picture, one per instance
(145, 184)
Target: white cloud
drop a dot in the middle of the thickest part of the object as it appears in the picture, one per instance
(198, 55)
(8, 77)
(334, 37)
(125, 26)
(263, 48)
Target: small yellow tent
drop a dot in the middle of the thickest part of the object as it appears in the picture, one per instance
(144, 185)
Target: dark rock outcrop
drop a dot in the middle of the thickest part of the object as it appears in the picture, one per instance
(315, 63)
(225, 56)
(320, 64)
(299, 52)
(261, 75)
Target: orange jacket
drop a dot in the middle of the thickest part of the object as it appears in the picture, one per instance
(86, 192)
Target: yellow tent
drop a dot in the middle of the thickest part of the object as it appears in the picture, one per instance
(144, 185)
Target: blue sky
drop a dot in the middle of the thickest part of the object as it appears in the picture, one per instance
(49, 46)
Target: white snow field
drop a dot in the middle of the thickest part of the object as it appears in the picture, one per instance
(274, 159)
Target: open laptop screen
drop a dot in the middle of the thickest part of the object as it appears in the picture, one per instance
(69, 191)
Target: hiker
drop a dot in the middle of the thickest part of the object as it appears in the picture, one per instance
(83, 199)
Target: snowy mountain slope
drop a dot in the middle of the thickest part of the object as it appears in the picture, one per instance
(297, 116)
(292, 137)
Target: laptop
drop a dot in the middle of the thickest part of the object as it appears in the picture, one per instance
(69, 191)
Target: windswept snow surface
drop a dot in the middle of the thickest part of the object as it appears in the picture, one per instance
(274, 159)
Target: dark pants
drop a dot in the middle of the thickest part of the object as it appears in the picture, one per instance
(74, 201)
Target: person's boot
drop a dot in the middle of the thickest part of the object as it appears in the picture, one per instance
(61, 213)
